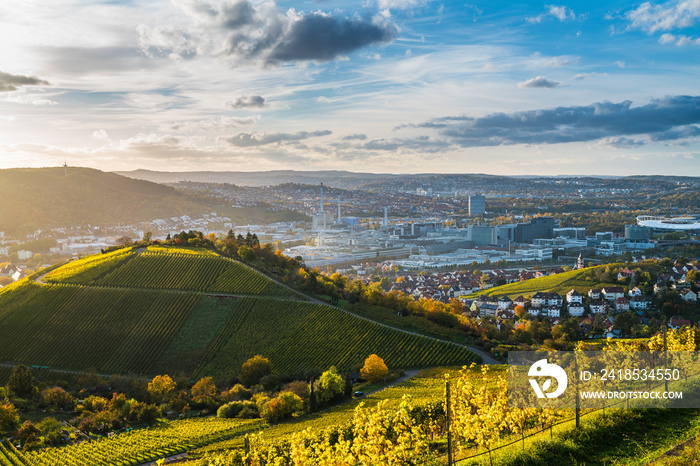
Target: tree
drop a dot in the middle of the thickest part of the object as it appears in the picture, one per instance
(330, 385)
(520, 311)
(9, 417)
(204, 391)
(147, 237)
(124, 241)
(254, 369)
(21, 381)
(374, 369)
(246, 253)
(160, 387)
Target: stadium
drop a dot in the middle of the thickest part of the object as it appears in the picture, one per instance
(687, 224)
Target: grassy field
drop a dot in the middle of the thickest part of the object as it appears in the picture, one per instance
(560, 283)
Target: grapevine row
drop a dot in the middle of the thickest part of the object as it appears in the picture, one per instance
(144, 445)
(298, 336)
(81, 327)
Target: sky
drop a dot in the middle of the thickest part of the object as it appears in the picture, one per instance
(386, 86)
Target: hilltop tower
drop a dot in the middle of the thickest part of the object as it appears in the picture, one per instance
(65, 168)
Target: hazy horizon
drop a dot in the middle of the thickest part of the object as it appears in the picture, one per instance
(409, 86)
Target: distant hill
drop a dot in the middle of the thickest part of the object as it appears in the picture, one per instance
(194, 313)
(41, 198)
(353, 180)
(32, 198)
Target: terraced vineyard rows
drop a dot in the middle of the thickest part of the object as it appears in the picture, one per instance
(144, 445)
(79, 328)
(9, 456)
(87, 270)
(297, 336)
(188, 272)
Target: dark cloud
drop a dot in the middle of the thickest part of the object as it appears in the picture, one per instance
(11, 82)
(247, 101)
(321, 37)
(261, 139)
(664, 119)
(355, 137)
(265, 34)
(539, 81)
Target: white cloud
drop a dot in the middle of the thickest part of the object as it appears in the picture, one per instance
(100, 135)
(21, 96)
(539, 81)
(678, 41)
(665, 17)
(210, 125)
(561, 13)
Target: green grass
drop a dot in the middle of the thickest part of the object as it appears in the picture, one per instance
(617, 437)
(560, 283)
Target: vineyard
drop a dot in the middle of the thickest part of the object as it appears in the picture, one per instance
(144, 311)
(161, 268)
(297, 336)
(135, 447)
(89, 269)
(560, 283)
(72, 327)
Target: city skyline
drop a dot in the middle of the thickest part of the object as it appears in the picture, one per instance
(385, 86)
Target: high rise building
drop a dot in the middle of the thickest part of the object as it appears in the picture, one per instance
(477, 205)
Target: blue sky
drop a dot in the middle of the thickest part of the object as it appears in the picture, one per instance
(401, 86)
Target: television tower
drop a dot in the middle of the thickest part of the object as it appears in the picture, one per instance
(65, 168)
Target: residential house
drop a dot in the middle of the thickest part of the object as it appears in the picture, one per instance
(622, 304)
(598, 306)
(552, 311)
(677, 322)
(625, 273)
(576, 309)
(504, 302)
(574, 296)
(640, 302)
(611, 293)
(520, 301)
(540, 299)
(594, 293)
(688, 296)
(635, 292)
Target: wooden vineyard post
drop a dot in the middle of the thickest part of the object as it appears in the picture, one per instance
(449, 430)
(246, 447)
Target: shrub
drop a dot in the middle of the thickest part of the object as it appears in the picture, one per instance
(238, 409)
